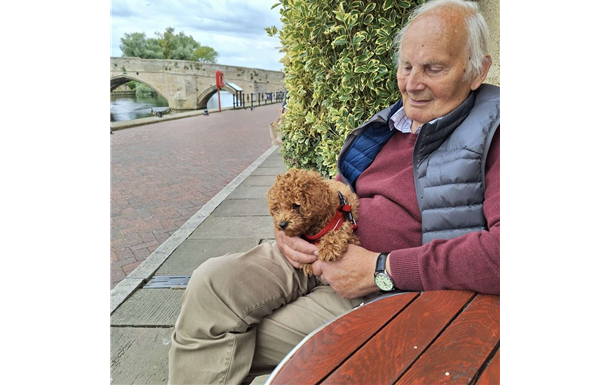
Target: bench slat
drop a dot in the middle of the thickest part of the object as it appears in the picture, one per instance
(323, 352)
(384, 358)
(491, 374)
(457, 355)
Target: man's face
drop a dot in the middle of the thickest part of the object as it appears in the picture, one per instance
(432, 65)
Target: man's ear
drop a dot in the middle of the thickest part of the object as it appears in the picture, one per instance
(478, 80)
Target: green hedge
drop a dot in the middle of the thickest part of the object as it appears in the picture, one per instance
(339, 66)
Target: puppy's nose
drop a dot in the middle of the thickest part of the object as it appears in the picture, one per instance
(283, 225)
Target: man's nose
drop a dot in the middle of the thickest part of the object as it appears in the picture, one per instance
(414, 81)
(283, 225)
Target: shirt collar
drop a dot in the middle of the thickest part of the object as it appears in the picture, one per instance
(399, 121)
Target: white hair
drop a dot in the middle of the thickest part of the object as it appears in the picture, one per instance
(478, 32)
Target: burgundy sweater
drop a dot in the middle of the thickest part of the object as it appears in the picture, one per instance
(390, 221)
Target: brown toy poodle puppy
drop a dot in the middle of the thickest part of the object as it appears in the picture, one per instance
(324, 212)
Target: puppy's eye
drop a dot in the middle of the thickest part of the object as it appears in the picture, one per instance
(296, 206)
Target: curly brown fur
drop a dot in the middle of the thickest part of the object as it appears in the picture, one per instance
(303, 202)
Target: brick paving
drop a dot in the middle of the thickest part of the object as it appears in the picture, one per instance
(163, 173)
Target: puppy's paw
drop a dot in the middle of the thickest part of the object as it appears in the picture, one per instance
(329, 251)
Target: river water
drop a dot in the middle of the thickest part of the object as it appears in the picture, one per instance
(136, 107)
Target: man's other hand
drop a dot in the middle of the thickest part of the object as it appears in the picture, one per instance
(352, 275)
(295, 249)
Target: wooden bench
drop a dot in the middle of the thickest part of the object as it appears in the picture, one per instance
(436, 337)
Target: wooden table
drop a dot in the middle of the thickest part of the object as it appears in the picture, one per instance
(435, 337)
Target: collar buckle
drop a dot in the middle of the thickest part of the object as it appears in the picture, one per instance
(346, 209)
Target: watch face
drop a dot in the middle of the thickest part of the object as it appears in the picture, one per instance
(384, 282)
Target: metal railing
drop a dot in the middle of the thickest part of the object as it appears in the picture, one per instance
(260, 98)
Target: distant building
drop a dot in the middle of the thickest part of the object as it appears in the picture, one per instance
(123, 90)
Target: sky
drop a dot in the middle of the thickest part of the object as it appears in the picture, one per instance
(233, 28)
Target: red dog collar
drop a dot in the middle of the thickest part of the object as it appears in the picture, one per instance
(344, 209)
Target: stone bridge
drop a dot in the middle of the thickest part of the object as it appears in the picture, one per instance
(188, 85)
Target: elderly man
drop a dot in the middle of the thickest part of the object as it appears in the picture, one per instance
(429, 188)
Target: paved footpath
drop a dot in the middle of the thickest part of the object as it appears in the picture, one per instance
(145, 305)
(163, 173)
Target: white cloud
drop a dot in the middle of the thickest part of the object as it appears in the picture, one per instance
(235, 29)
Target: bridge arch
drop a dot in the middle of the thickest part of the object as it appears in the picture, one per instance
(122, 79)
(205, 95)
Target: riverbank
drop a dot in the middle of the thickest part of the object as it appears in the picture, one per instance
(123, 93)
(114, 126)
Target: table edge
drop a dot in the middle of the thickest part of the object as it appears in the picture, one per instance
(310, 335)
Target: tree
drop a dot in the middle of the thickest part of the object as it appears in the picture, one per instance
(137, 45)
(206, 54)
(131, 84)
(143, 90)
(167, 45)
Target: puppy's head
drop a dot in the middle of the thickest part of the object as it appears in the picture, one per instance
(300, 200)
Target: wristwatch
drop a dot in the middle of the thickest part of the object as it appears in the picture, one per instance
(382, 278)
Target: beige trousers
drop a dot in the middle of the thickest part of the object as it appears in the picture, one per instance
(242, 313)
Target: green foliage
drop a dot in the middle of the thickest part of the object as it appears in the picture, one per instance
(339, 72)
(131, 84)
(143, 90)
(206, 54)
(166, 45)
(138, 45)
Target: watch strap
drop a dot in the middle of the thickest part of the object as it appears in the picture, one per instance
(381, 259)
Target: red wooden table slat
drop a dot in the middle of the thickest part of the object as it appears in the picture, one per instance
(383, 359)
(327, 349)
(491, 374)
(457, 355)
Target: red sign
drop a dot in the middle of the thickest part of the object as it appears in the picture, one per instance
(220, 79)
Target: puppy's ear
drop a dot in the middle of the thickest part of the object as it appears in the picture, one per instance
(317, 193)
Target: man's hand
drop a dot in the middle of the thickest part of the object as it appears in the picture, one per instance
(295, 249)
(352, 275)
